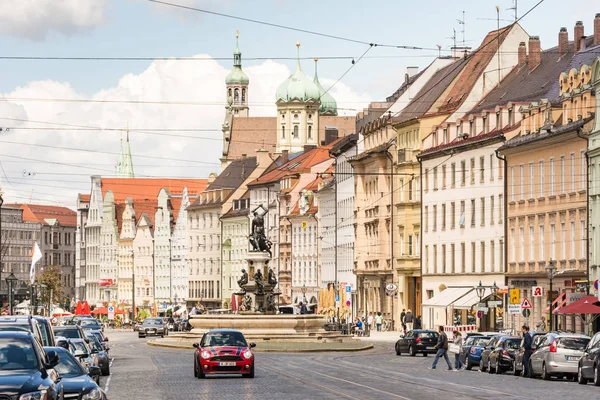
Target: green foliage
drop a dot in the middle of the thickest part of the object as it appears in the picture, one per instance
(51, 277)
(143, 314)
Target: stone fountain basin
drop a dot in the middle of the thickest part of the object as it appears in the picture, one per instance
(261, 324)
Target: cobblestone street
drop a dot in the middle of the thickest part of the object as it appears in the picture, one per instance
(140, 371)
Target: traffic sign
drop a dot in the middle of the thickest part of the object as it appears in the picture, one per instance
(514, 308)
(596, 284)
(481, 309)
(348, 289)
(347, 303)
(494, 303)
(514, 296)
(337, 297)
(111, 312)
(537, 291)
(526, 303)
(479, 314)
(526, 312)
(111, 309)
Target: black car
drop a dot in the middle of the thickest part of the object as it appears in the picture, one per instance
(537, 339)
(153, 327)
(90, 323)
(470, 353)
(502, 354)
(70, 332)
(417, 341)
(102, 338)
(22, 323)
(46, 330)
(77, 381)
(589, 363)
(101, 355)
(26, 370)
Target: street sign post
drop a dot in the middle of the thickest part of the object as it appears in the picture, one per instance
(514, 308)
(526, 303)
(494, 303)
(348, 289)
(111, 313)
(514, 296)
(479, 314)
(537, 291)
(526, 312)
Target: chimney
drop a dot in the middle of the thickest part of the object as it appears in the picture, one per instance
(309, 147)
(522, 54)
(331, 134)
(535, 56)
(285, 156)
(578, 35)
(412, 71)
(597, 29)
(563, 41)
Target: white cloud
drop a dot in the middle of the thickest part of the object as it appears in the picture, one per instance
(201, 84)
(35, 19)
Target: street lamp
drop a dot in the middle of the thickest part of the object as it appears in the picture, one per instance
(551, 269)
(480, 290)
(366, 323)
(1, 245)
(303, 290)
(11, 280)
(494, 292)
(35, 286)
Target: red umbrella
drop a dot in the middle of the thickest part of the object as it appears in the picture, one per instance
(79, 309)
(86, 308)
(586, 305)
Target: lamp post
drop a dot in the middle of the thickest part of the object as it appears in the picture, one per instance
(550, 270)
(1, 242)
(480, 290)
(35, 286)
(494, 292)
(303, 290)
(11, 280)
(366, 323)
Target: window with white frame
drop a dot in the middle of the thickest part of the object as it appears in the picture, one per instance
(426, 174)
(435, 217)
(531, 181)
(417, 245)
(444, 216)
(452, 215)
(444, 259)
(500, 208)
(481, 169)
(563, 240)
(492, 256)
(573, 178)
(572, 238)
(541, 241)
(435, 258)
(583, 172)
(472, 212)
(541, 177)
(452, 258)
(562, 175)
(473, 257)
(492, 162)
(482, 211)
(531, 243)
(463, 257)
(512, 184)
(426, 219)
(522, 244)
(582, 240)
(552, 178)
(453, 174)
(492, 210)
(513, 250)
(553, 241)
(444, 176)
(522, 182)
(426, 248)
(410, 245)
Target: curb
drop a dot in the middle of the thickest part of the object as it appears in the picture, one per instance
(367, 346)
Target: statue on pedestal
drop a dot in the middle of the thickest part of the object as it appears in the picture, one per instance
(258, 239)
(260, 284)
(271, 277)
(242, 281)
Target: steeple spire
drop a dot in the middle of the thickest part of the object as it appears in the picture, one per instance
(125, 163)
(237, 54)
(298, 66)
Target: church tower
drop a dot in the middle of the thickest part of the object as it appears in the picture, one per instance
(125, 164)
(237, 85)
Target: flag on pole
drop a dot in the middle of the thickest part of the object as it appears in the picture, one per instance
(36, 255)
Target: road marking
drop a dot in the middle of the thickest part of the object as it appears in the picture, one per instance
(111, 361)
(107, 383)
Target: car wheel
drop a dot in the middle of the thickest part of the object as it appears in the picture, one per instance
(516, 372)
(106, 371)
(469, 365)
(398, 353)
(195, 367)
(251, 374)
(580, 379)
(481, 366)
(425, 354)
(498, 369)
(490, 369)
(411, 350)
(545, 374)
(596, 376)
(162, 336)
(141, 336)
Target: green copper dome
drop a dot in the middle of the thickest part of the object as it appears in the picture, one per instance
(328, 103)
(237, 76)
(297, 87)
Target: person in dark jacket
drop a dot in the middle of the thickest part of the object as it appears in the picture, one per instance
(527, 351)
(442, 349)
(303, 309)
(418, 324)
(409, 319)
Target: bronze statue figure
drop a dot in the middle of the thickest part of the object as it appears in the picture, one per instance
(243, 280)
(260, 284)
(258, 239)
(271, 277)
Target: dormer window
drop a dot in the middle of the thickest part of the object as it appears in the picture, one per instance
(445, 135)
(498, 120)
(471, 128)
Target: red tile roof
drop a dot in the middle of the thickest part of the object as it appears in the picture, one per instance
(39, 213)
(148, 188)
(84, 197)
(248, 134)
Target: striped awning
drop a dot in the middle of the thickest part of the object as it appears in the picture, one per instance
(559, 302)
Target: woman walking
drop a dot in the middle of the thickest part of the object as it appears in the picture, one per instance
(456, 348)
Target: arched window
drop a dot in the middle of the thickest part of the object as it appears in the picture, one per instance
(310, 132)
(236, 96)
(243, 95)
(283, 132)
(228, 94)
(296, 132)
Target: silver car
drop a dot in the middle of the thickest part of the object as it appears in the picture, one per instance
(558, 355)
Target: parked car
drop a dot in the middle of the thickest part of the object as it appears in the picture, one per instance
(501, 357)
(589, 365)
(90, 323)
(153, 327)
(77, 381)
(417, 341)
(537, 339)
(102, 338)
(22, 323)
(484, 362)
(101, 354)
(46, 330)
(558, 355)
(27, 370)
(223, 351)
(80, 350)
(70, 331)
(471, 350)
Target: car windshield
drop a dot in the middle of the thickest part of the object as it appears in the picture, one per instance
(69, 333)
(513, 344)
(95, 344)
(17, 354)
(572, 343)
(428, 335)
(80, 346)
(12, 328)
(481, 341)
(152, 321)
(68, 366)
(223, 339)
(86, 322)
(45, 335)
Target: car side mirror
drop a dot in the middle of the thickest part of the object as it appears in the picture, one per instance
(52, 357)
(252, 345)
(106, 339)
(196, 345)
(94, 371)
(492, 348)
(87, 340)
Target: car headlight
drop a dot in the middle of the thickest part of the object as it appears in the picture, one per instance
(94, 394)
(205, 354)
(39, 395)
(248, 354)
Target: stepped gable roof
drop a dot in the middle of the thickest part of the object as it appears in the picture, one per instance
(525, 85)
(476, 64)
(251, 133)
(148, 188)
(46, 215)
(431, 91)
(300, 164)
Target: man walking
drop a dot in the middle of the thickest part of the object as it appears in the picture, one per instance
(527, 351)
(541, 326)
(409, 319)
(442, 349)
(378, 321)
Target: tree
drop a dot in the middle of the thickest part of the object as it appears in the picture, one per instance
(51, 276)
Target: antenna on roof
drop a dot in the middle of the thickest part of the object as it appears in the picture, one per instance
(453, 37)
(463, 23)
(514, 7)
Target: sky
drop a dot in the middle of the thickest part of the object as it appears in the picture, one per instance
(50, 143)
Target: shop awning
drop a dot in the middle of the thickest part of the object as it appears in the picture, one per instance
(470, 299)
(558, 303)
(587, 305)
(447, 297)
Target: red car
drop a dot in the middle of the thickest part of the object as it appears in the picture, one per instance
(223, 351)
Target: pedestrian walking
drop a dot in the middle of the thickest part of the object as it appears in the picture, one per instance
(378, 321)
(409, 319)
(456, 348)
(442, 349)
(418, 324)
(370, 321)
(402, 316)
(541, 326)
(527, 351)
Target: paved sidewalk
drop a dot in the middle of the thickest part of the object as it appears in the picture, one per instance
(381, 337)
